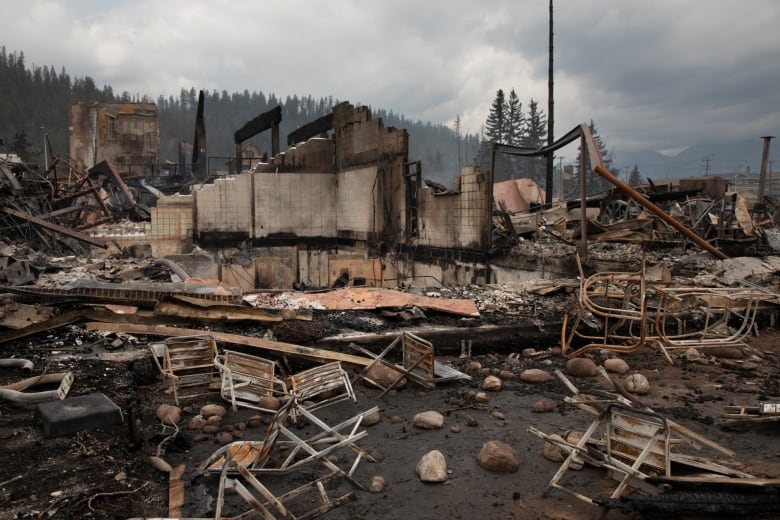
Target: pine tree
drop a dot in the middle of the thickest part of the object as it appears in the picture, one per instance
(634, 178)
(535, 136)
(495, 126)
(515, 120)
(594, 182)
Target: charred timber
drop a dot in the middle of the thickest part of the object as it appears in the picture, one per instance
(142, 295)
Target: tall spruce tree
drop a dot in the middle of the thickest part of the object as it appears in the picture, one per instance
(594, 183)
(495, 126)
(535, 137)
(634, 178)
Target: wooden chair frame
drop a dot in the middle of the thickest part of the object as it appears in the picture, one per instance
(418, 363)
(186, 362)
(246, 379)
(321, 386)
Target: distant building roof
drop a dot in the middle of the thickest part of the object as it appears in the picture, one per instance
(518, 194)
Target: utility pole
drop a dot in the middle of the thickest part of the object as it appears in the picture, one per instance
(550, 115)
(762, 175)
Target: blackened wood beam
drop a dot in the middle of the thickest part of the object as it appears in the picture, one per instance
(55, 227)
(261, 123)
(314, 128)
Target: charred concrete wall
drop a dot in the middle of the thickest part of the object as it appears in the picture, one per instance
(348, 188)
(171, 227)
(127, 134)
(458, 220)
(370, 161)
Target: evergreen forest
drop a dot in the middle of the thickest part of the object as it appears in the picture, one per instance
(34, 105)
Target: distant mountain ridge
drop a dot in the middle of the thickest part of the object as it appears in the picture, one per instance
(705, 159)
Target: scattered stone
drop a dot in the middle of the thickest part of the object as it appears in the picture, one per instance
(197, 423)
(557, 453)
(499, 457)
(384, 377)
(240, 426)
(372, 419)
(237, 434)
(498, 416)
(396, 419)
(491, 383)
(121, 476)
(484, 371)
(692, 355)
(169, 414)
(377, 456)
(480, 397)
(506, 374)
(616, 366)
(581, 367)
(430, 420)
(455, 428)
(432, 467)
(214, 420)
(637, 384)
(474, 366)
(211, 410)
(543, 406)
(269, 402)
(534, 375)
(255, 421)
(200, 437)
(211, 428)
(224, 438)
(726, 352)
(420, 394)
(529, 352)
(160, 464)
(552, 451)
(377, 484)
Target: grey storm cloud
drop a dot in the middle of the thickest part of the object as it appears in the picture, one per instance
(651, 75)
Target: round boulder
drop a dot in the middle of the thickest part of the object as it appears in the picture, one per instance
(491, 384)
(211, 410)
(534, 375)
(581, 367)
(498, 457)
(637, 384)
(432, 467)
(169, 414)
(384, 377)
(430, 420)
(377, 484)
(543, 406)
(616, 366)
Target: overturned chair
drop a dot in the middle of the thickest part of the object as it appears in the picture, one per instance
(281, 452)
(318, 387)
(261, 457)
(247, 380)
(418, 363)
(633, 443)
(186, 364)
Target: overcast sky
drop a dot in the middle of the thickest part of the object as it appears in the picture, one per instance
(652, 75)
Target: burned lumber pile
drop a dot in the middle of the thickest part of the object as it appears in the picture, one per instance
(52, 210)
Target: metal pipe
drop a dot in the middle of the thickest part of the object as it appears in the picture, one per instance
(631, 192)
(25, 364)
